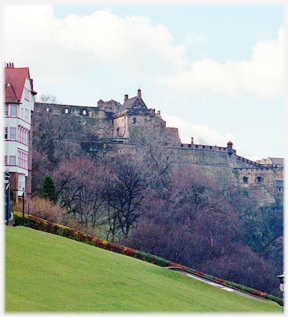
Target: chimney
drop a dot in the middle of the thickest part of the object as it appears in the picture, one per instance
(158, 112)
(139, 93)
(10, 65)
(192, 140)
(125, 97)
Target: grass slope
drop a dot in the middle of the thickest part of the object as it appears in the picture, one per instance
(49, 273)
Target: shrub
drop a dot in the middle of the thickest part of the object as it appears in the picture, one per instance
(44, 209)
(49, 189)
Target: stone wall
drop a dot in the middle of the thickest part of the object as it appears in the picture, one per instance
(131, 133)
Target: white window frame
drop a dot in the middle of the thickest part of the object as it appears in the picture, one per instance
(12, 112)
(11, 134)
(12, 160)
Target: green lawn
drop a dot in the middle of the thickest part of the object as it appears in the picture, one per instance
(49, 273)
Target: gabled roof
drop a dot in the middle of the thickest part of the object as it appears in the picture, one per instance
(10, 95)
(16, 78)
(277, 160)
(133, 104)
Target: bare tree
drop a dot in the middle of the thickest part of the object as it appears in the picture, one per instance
(40, 167)
(79, 186)
(123, 194)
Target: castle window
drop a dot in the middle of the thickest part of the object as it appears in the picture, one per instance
(196, 146)
(219, 148)
(47, 109)
(181, 145)
(189, 145)
(118, 130)
(210, 147)
(66, 110)
(245, 179)
(203, 147)
(84, 112)
(134, 120)
(259, 179)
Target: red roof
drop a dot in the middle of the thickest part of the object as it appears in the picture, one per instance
(16, 77)
(10, 96)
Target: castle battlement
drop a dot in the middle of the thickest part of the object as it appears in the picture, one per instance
(132, 128)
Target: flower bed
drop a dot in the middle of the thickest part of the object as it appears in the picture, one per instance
(47, 226)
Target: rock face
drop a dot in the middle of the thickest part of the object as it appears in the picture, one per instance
(132, 128)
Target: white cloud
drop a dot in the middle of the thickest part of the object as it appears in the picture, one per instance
(194, 37)
(201, 134)
(254, 158)
(61, 47)
(65, 50)
(262, 76)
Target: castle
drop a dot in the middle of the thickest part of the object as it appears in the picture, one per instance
(131, 126)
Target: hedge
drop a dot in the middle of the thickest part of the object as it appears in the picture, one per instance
(50, 227)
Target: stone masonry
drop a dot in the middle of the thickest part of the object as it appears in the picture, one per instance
(131, 127)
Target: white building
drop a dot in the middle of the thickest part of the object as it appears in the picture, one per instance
(19, 107)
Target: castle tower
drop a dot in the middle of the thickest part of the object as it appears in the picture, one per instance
(139, 93)
(229, 148)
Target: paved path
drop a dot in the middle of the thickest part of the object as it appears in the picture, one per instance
(224, 287)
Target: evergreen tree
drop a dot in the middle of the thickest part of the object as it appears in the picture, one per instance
(49, 189)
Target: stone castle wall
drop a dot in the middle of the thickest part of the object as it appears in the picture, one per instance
(131, 133)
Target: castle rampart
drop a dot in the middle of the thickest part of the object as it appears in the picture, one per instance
(131, 128)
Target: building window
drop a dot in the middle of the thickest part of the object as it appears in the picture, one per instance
(259, 179)
(5, 133)
(118, 131)
(134, 120)
(5, 159)
(21, 183)
(66, 110)
(22, 159)
(84, 112)
(13, 111)
(47, 109)
(12, 133)
(19, 133)
(12, 160)
(26, 94)
(27, 115)
(6, 111)
(22, 114)
(245, 179)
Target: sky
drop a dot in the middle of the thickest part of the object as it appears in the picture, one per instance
(215, 71)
